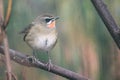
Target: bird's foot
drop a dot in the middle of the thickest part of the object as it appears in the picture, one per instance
(31, 59)
(49, 65)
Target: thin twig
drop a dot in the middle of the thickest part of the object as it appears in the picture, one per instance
(14, 76)
(1, 21)
(7, 57)
(108, 20)
(22, 59)
(5, 42)
(9, 8)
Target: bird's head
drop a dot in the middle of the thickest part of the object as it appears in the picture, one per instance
(47, 20)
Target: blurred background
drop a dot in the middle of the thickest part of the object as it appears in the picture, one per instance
(84, 45)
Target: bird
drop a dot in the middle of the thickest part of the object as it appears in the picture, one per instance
(41, 34)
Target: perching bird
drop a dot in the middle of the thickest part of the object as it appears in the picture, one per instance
(41, 34)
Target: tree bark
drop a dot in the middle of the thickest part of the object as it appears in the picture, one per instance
(108, 20)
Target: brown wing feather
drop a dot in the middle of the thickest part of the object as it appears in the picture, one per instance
(26, 30)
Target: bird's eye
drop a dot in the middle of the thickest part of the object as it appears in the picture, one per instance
(47, 20)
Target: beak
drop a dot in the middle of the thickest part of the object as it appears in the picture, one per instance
(56, 18)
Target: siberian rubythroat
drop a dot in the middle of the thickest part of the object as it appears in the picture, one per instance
(41, 34)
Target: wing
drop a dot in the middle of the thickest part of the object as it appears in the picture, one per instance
(26, 30)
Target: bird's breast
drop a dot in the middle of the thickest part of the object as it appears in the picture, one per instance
(43, 42)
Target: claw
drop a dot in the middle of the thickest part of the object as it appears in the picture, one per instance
(49, 64)
(32, 59)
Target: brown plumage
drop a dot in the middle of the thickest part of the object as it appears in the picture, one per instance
(41, 34)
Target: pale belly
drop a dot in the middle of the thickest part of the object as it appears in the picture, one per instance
(43, 43)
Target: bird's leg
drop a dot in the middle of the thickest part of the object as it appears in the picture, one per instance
(32, 59)
(34, 53)
(49, 64)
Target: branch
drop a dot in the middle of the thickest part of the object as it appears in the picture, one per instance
(22, 59)
(9, 8)
(7, 57)
(5, 40)
(1, 21)
(108, 20)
